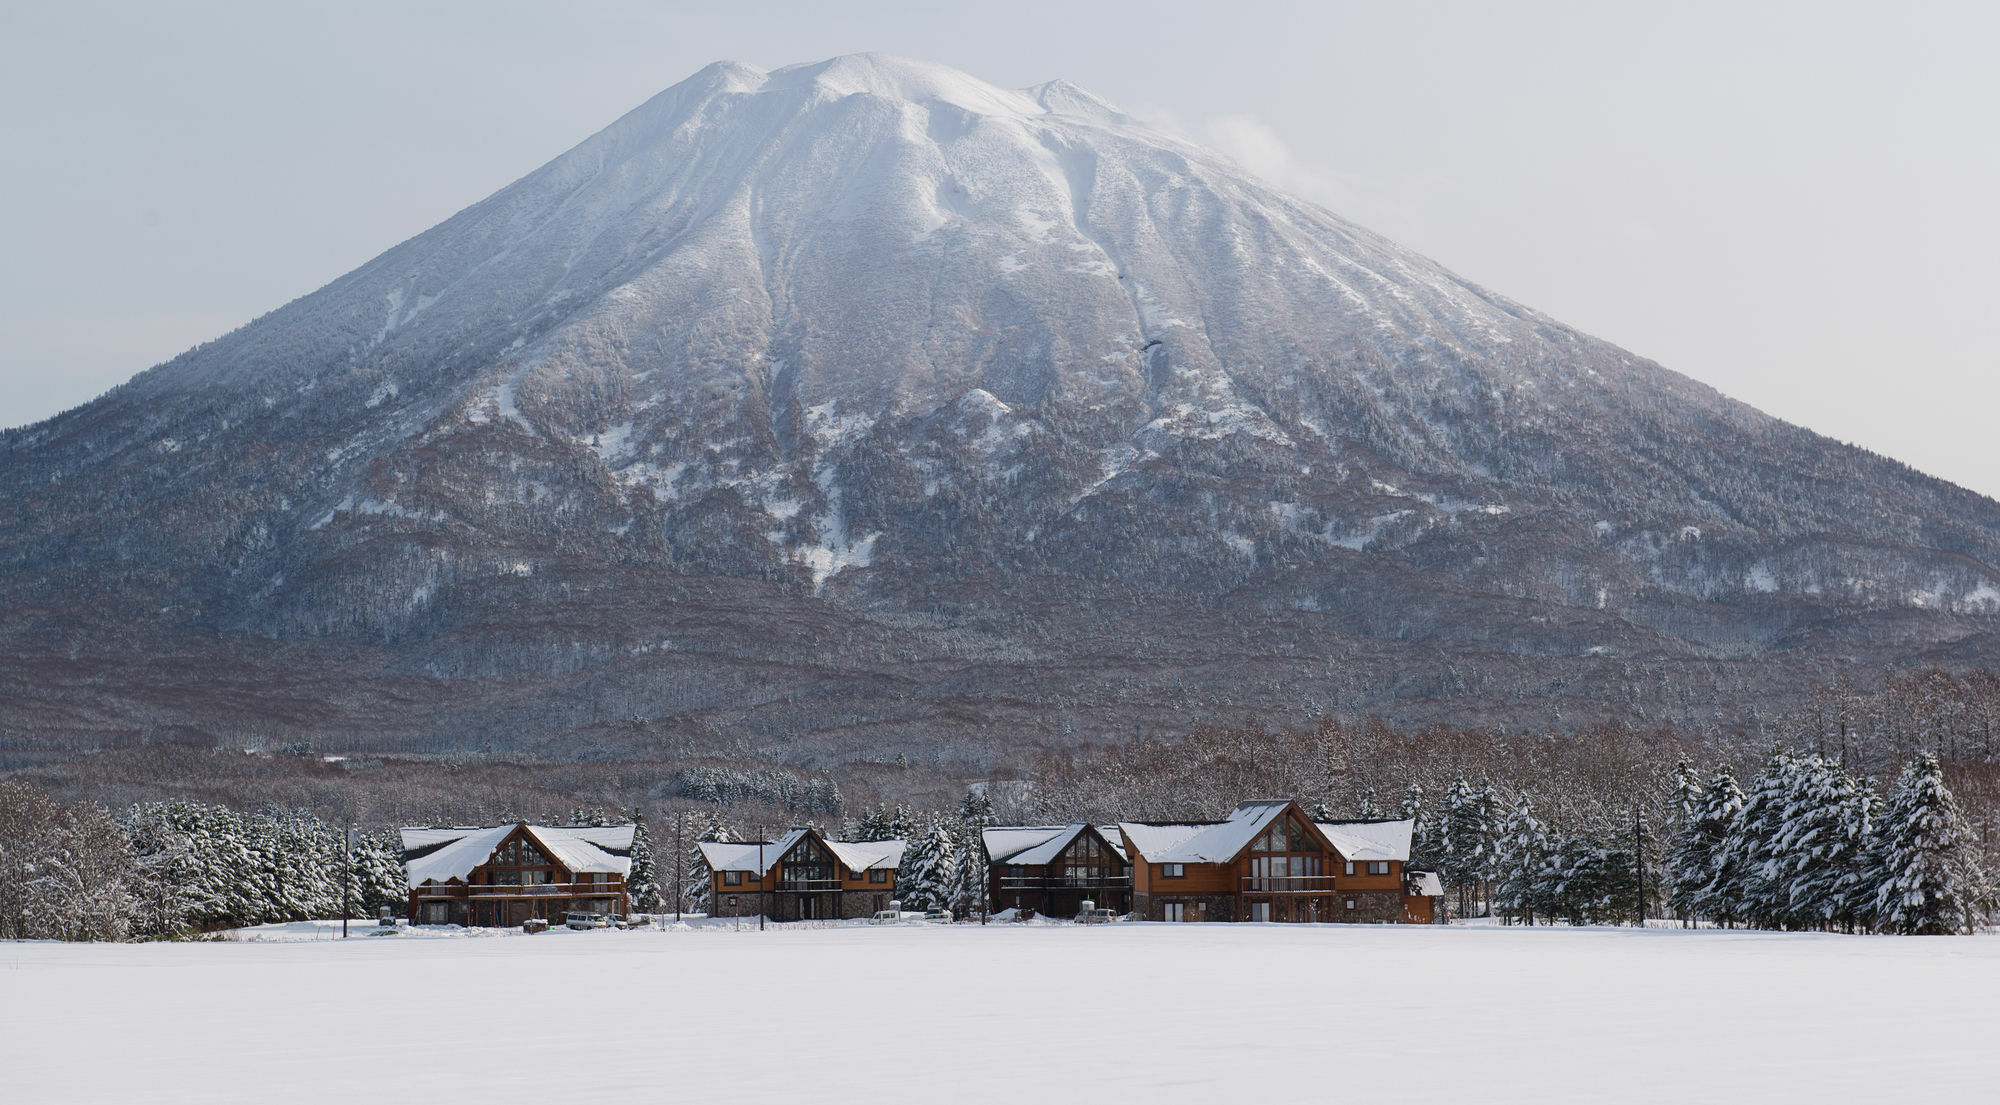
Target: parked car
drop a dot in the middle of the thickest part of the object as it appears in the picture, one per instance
(587, 921)
(886, 917)
(1098, 916)
(943, 916)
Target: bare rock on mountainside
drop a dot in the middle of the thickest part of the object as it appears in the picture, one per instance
(864, 404)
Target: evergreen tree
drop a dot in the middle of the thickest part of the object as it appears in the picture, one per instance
(884, 823)
(1923, 840)
(379, 876)
(1369, 807)
(969, 890)
(976, 809)
(1523, 847)
(929, 874)
(695, 889)
(1704, 858)
(1693, 855)
(642, 885)
(1821, 844)
(1760, 890)
(1424, 852)
(1469, 828)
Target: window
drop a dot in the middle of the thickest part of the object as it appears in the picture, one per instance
(1260, 911)
(1350, 903)
(1173, 911)
(1350, 867)
(732, 878)
(1378, 867)
(879, 874)
(732, 901)
(809, 867)
(1173, 870)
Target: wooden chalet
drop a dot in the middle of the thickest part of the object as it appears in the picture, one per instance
(802, 876)
(501, 876)
(1053, 869)
(1268, 861)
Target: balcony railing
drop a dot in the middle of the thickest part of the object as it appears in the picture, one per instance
(1066, 882)
(808, 886)
(521, 890)
(1288, 884)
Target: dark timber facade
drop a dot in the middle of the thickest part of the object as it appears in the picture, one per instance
(1053, 870)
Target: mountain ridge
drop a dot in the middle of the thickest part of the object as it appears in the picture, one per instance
(894, 341)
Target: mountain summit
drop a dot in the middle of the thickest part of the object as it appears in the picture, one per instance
(870, 403)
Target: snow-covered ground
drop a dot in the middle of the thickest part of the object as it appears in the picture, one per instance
(1113, 1013)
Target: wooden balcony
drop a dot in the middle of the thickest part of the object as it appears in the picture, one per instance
(1065, 882)
(522, 890)
(1287, 884)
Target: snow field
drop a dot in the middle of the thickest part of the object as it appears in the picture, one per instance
(1115, 1013)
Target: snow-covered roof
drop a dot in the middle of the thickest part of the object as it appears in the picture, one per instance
(455, 852)
(855, 855)
(1365, 840)
(1040, 844)
(868, 855)
(1203, 841)
(1425, 884)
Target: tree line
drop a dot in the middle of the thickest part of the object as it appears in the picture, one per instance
(168, 870)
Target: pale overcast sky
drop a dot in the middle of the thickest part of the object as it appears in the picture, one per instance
(1796, 203)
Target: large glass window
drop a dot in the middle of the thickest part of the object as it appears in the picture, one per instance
(1087, 861)
(808, 866)
(1286, 858)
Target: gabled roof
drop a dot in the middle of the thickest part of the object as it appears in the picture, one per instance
(869, 855)
(440, 855)
(855, 855)
(1366, 840)
(1426, 884)
(1033, 845)
(1205, 841)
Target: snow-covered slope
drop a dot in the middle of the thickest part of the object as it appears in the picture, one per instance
(880, 332)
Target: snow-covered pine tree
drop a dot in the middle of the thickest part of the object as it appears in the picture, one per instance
(969, 889)
(1424, 852)
(883, 823)
(1761, 890)
(167, 872)
(1861, 821)
(1923, 891)
(1522, 848)
(694, 888)
(1822, 845)
(1705, 857)
(975, 809)
(642, 884)
(1688, 861)
(930, 868)
(1469, 826)
(379, 877)
(1368, 807)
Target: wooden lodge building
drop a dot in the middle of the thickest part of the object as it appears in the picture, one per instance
(802, 876)
(502, 876)
(1053, 869)
(1268, 861)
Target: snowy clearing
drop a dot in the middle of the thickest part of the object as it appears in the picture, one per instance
(1113, 1013)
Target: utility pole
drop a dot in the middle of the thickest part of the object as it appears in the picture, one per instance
(763, 900)
(680, 861)
(1639, 862)
(346, 874)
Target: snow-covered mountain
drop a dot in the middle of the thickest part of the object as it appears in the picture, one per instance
(903, 387)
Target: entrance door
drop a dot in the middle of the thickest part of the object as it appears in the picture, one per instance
(1173, 911)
